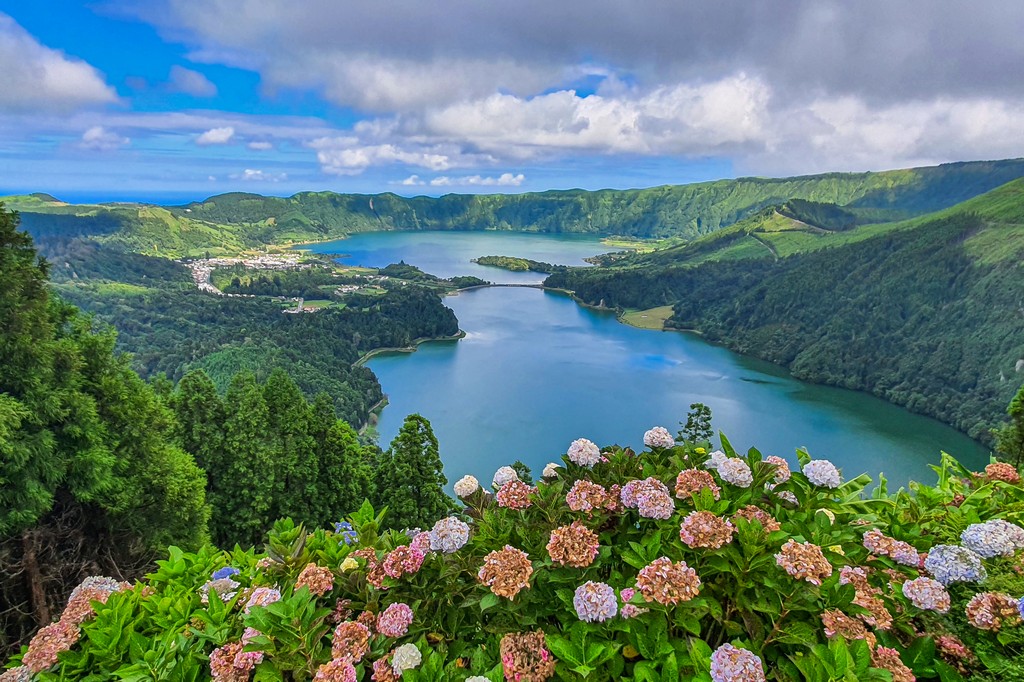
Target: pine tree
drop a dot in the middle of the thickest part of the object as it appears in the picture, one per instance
(243, 502)
(200, 416)
(410, 478)
(1010, 438)
(697, 428)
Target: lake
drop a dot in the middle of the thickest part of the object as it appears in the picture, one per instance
(536, 371)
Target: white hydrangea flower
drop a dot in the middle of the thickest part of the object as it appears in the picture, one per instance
(659, 437)
(822, 472)
(406, 657)
(715, 460)
(466, 486)
(503, 476)
(734, 470)
(550, 471)
(584, 452)
(449, 535)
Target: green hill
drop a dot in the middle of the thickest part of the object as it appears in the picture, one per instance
(229, 222)
(926, 313)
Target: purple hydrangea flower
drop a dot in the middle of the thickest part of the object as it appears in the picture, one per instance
(952, 563)
(732, 664)
(595, 602)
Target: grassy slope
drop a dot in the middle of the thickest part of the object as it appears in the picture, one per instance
(924, 312)
(230, 222)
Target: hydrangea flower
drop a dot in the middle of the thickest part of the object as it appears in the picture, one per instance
(573, 545)
(1001, 471)
(951, 564)
(525, 657)
(394, 621)
(586, 496)
(804, 561)
(503, 475)
(822, 472)
(405, 657)
(350, 640)
(734, 470)
(992, 610)
(48, 643)
(550, 471)
(348, 535)
(754, 513)
(835, 622)
(653, 500)
(225, 588)
(515, 495)
(336, 670)
(261, 596)
(225, 572)
(584, 452)
(659, 437)
(467, 485)
(782, 472)
(889, 659)
(449, 535)
(595, 602)
(993, 538)
(506, 571)
(732, 664)
(692, 481)
(715, 460)
(94, 588)
(928, 594)
(666, 582)
(630, 610)
(403, 560)
(318, 579)
(702, 529)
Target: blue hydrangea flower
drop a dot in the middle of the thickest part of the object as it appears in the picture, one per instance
(1020, 607)
(952, 564)
(225, 572)
(595, 602)
(993, 538)
(348, 536)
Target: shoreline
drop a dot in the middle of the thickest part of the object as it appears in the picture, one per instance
(405, 349)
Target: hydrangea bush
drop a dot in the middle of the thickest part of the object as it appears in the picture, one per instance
(667, 564)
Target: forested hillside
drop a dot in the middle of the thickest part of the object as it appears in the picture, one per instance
(924, 313)
(229, 222)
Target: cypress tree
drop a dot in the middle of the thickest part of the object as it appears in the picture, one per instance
(296, 464)
(243, 502)
(346, 473)
(411, 479)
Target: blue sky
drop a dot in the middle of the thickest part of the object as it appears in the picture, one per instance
(175, 100)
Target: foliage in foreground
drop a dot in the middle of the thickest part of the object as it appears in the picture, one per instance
(665, 565)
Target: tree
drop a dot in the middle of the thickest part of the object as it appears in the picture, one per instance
(346, 473)
(697, 428)
(296, 462)
(243, 502)
(200, 416)
(410, 478)
(1010, 437)
(523, 471)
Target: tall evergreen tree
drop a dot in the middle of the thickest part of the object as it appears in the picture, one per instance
(411, 482)
(244, 500)
(296, 464)
(1010, 438)
(346, 473)
(200, 416)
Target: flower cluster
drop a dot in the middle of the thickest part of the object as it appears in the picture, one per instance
(951, 564)
(261, 596)
(735, 471)
(659, 437)
(692, 481)
(715, 460)
(705, 530)
(835, 622)
(506, 571)
(823, 473)
(503, 475)
(524, 657)
(466, 486)
(222, 663)
(650, 497)
(394, 621)
(927, 594)
(584, 453)
(1001, 471)
(449, 535)
(573, 545)
(889, 659)
(666, 582)
(993, 538)
(225, 572)
(782, 472)
(348, 535)
(595, 602)
(350, 640)
(225, 588)
(405, 657)
(586, 496)
(630, 610)
(403, 560)
(47, 643)
(804, 561)
(880, 544)
(992, 610)
(318, 579)
(753, 513)
(94, 588)
(550, 470)
(335, 670)
(515, 495)
(732, 664)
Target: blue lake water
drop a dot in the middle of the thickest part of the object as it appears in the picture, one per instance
(536, 371)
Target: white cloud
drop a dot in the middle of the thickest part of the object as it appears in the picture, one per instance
(345, 156)
(253, 175)
(221, 135)
(34, 77)
(412, 180)
(503, 180)
(98, 138)
(260, 146)
(191, 82)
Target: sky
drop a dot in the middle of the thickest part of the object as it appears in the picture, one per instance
(176, 100)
